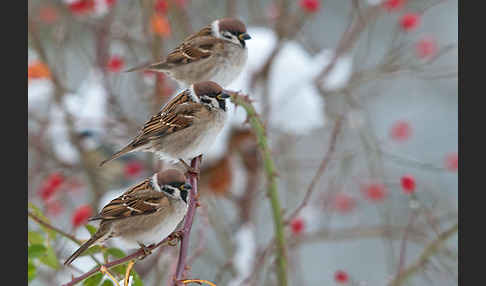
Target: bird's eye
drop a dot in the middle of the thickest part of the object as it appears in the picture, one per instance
(227, 36)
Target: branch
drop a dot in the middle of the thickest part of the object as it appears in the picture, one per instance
(114, 263)
(271, 174)
(348, 39)
(67, 235)
(320, 171)
(186, 229)
(42, 222)
(430, 250)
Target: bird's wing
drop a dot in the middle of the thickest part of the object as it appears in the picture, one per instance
(141, 199)
(176, 115)
(191, 50)
(195, 47)
(180, 113)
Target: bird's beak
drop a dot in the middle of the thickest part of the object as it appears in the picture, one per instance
(244, 36)
(186, 187)
(223, 96)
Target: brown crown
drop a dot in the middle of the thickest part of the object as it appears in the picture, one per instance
(170, 176)
(232, 25)
(207, 87)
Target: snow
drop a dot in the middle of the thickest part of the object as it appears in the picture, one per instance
(245, 253)
(340, 74)
(290, 83)
(291, 87)
(87, 107)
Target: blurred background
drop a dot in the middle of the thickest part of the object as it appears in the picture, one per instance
(360, 104)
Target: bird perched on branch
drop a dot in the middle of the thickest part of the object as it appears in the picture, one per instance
(147, 213)
(217, 53)
(186, 127)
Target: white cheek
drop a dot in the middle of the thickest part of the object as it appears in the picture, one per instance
(214, 102)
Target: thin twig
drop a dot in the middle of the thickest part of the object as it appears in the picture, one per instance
(65, 234)
(348, 39)
(127, 273)
(429, 250)
(49, 226)
(105, 271)
(403, 247)
(320, 171)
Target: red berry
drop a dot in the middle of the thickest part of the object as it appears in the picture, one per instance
(161, 6)
(426, 47)
(81, 215)
(133, 169)
(50, 186)
(55, 180)
(297, 226)
(410, 21)
(408, 184)
(115, 63)
(82, 6)
(341, 276)
(393, 5)
(375, 192)
(343, 203)
(452, 162)
(310, 6)
(46, 192)
(400, 130)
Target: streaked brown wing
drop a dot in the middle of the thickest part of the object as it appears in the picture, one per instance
(134, 204)
(192, 50)
(178, 114)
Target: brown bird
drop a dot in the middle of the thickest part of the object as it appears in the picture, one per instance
(217, 53)
(147, 213)
(186, 127)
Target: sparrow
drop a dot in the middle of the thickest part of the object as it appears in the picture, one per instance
(146, 213)
(217, 52)
(186, 126)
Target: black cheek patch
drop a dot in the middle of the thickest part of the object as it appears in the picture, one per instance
(168, 190)
(242, 42)
(222, 104)
(205, 100)
(184, 196)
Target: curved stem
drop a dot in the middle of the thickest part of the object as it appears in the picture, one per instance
(186, 229)
(271, 174)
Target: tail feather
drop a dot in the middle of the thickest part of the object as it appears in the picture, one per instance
(127, 149)
(81, 249)
(159, 66)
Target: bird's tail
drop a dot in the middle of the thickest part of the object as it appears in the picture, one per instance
(82, 248)
(158, 66)
(127, 149)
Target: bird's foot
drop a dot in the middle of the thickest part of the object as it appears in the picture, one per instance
(173, 237)
(146, 250)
